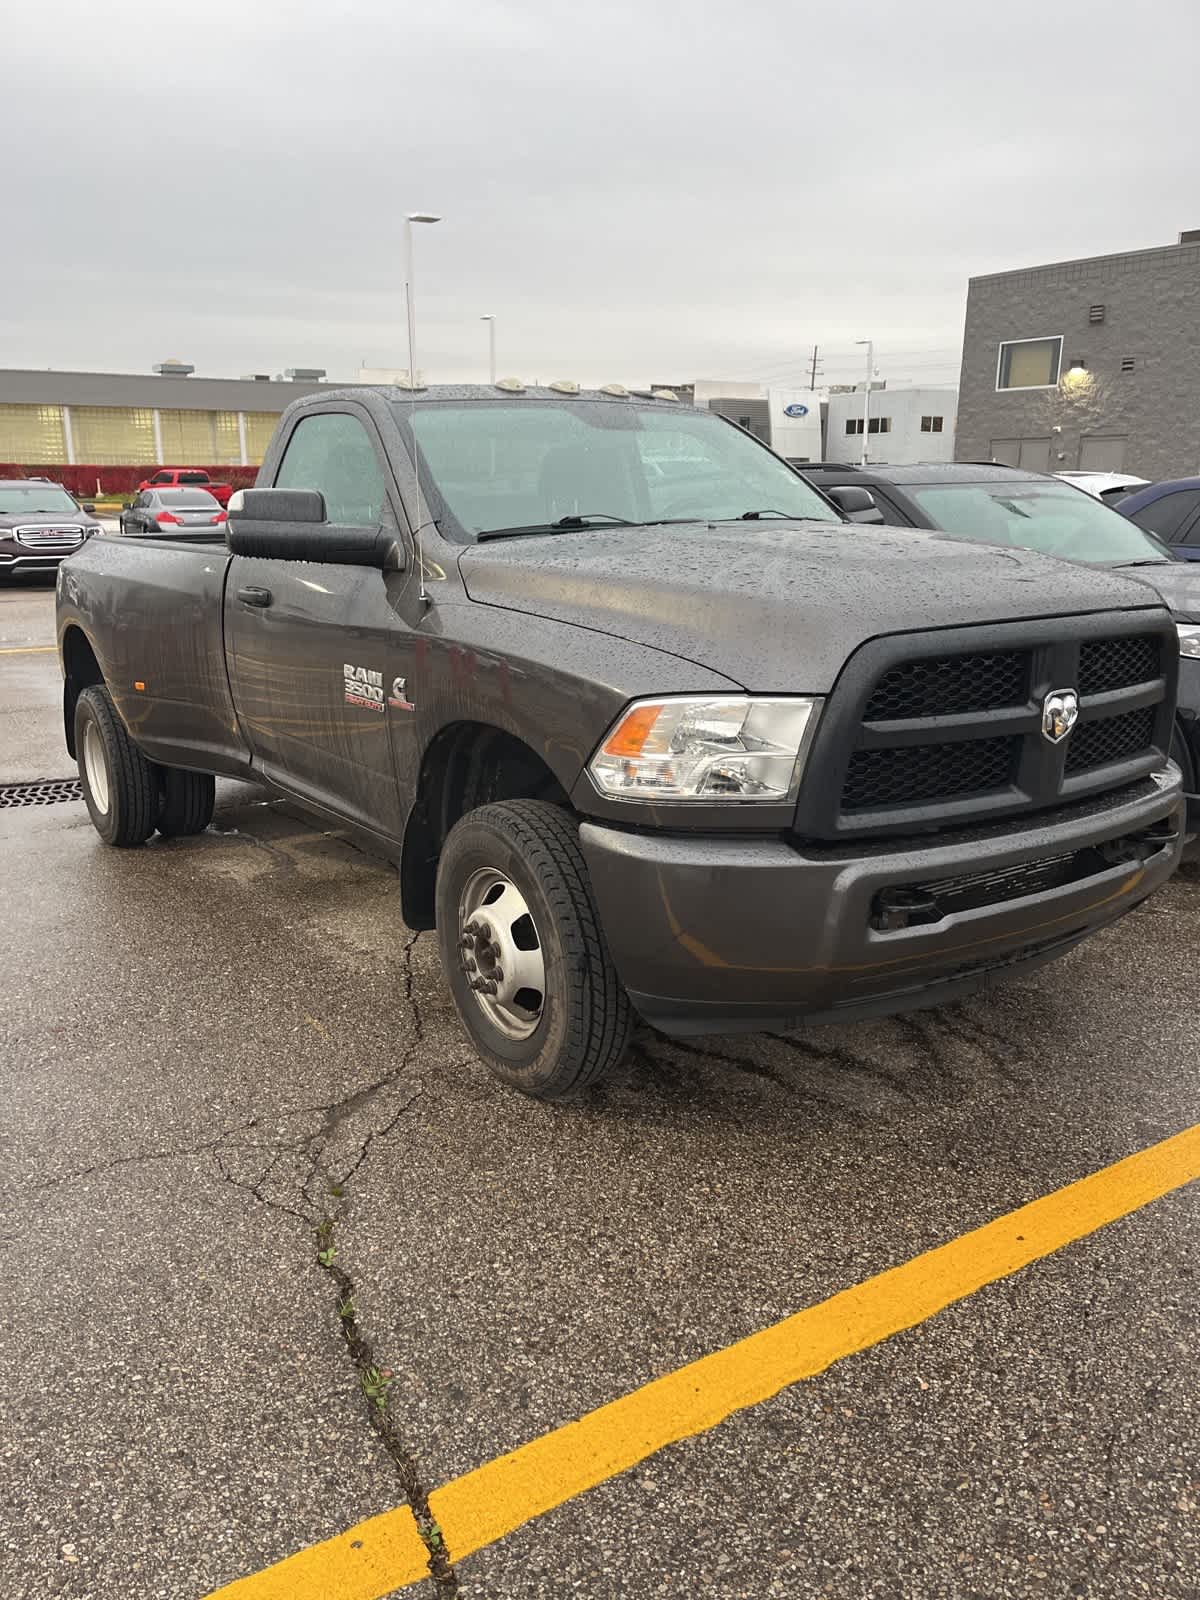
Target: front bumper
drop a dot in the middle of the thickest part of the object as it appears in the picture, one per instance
(728, 934)
(17, 557)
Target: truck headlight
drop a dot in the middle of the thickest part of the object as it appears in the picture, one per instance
(706, 747)
(1189, 639)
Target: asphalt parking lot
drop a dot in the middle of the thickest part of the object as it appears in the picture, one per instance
(280, 1256)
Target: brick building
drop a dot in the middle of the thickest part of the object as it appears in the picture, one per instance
(1086, 365)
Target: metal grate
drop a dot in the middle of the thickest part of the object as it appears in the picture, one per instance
(1095, 744)
(1106, 664)
(1096, 313)
(908, 774)
(49, 792)
(944, 685)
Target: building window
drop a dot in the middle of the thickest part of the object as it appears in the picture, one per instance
(229, 439)
(1029, 363)
(110, 436)
(260, 425)
(32, 436)
(187, 437)
(878, 425)
(931, 424)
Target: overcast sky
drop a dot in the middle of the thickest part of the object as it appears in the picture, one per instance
(638, 189)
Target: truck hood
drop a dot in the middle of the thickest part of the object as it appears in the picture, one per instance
(778, 607)
(1176, 582)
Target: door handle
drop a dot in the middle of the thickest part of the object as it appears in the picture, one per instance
(255, 597)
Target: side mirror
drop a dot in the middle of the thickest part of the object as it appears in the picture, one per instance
(277, 505)
(857, 503)
(291, 525)
(90, 507)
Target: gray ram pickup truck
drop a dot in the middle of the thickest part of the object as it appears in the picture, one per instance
(646, 727)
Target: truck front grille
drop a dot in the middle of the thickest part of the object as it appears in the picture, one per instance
(41, 536)
(1096, 744)
(915, 737)
(1106, 664)
(949, 683)
(927, 772)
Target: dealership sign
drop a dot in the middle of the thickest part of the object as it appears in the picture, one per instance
(796, 410)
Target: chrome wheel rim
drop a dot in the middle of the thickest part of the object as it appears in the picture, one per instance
(500, 951)
(95, 768)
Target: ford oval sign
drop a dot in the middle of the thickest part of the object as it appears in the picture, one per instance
(796, 410)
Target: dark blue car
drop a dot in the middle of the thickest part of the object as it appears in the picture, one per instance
(1170, 511)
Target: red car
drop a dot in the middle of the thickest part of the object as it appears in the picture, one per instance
(187, 478)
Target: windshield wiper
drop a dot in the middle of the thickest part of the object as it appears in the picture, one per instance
(1149, 561)
(563, 525)
(767, 511)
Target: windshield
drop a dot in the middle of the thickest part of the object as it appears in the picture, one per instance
(1051, 517)
(528, 465)
(27, 500)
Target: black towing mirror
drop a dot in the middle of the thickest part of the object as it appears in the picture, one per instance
(857, 503)
(292, 525)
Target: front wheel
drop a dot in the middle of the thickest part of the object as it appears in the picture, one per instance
(523, 950)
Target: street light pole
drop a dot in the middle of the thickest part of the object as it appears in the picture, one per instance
(414, 216)
(491, 322)
(862, 460)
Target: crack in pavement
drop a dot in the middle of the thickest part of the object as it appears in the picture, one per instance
(316, 1184)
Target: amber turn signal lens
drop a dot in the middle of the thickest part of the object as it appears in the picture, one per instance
(632, 731)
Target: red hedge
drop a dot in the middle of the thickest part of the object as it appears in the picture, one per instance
(90, 483)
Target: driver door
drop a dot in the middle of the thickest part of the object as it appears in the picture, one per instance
(315, 647)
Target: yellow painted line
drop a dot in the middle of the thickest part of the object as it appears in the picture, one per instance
(484, 1505)
(29, 650)
(370, 1560)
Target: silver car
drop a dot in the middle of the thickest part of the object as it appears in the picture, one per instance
(173, 511)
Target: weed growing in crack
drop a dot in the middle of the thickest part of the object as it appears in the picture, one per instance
(375, 1382)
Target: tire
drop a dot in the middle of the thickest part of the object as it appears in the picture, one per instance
(187, 801)
(120, 787)
(582, 1027)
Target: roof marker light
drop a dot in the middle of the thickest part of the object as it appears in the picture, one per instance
(664, 394)
(617, 389)
(511, 385)
(563, 386)
(407, 383)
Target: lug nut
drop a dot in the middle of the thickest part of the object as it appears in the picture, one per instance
(471, 964)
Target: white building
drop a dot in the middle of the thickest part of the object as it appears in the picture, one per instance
(906, 425)
(789, 420)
